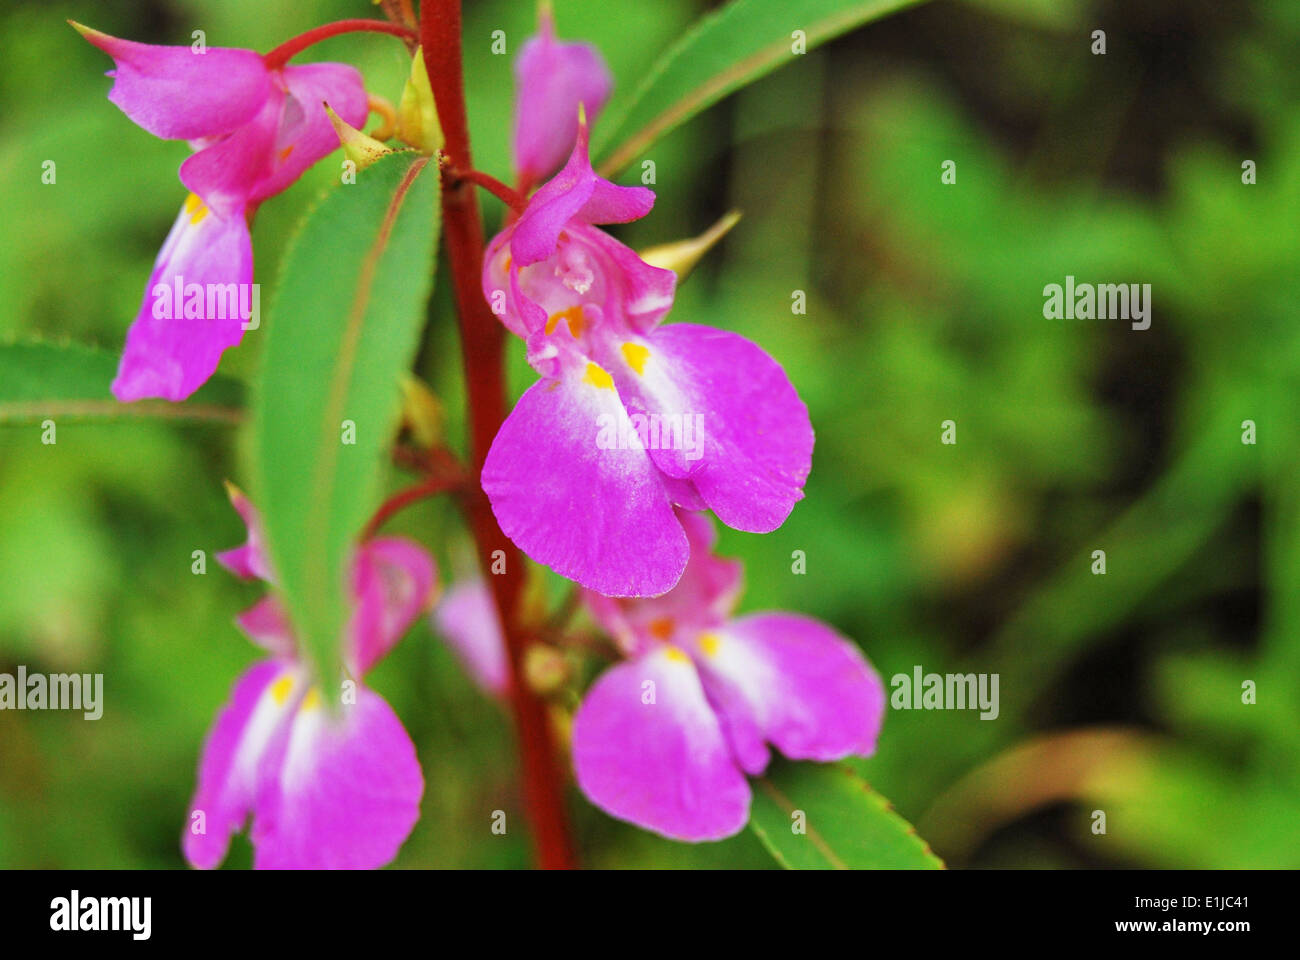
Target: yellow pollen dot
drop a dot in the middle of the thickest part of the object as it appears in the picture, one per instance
(709, 643)
(312, 700)
(572, 314)
(284, 154)
(675, 653)
(506, 265)
(280, 689)
(636, 356)
(195, 207)
(662, 628)
(597, 377)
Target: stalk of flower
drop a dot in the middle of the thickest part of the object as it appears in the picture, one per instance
(325, 788)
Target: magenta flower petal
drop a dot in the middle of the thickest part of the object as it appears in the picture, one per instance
(267, 625)
(794, 682)
(305, 133)
(337, 793)
(551, 80)
(644, 293)
(247, 561)
(173, 347)
(228, 772)
(757, 438)
(224, 173)
(665, 765)
(597, 516)
(180, 94)
(467, 618)
(575, 193)
(392, 584)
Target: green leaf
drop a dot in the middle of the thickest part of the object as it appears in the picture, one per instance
(71, 381)
(724, 51)
(847, 825)
(342, 330)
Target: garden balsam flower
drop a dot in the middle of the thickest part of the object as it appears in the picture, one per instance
(665, 739)
(551, 80)
(630, 418)
(255, 129)
(326, 788)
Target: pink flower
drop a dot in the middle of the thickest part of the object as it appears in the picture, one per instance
(665, 739)
(255, 129)
(324, 791)
(551, 80)
(629, 418)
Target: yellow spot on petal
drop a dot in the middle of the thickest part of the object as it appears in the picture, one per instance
(676, 653)
(709, 643)
(597, 377)
(571, 314)
(284, 154)
(662, 628)
(312, 700)
(506, 265)
(636, 355)
(195, 207)
(280, 689)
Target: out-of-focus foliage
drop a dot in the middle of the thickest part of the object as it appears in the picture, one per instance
(1120, 693)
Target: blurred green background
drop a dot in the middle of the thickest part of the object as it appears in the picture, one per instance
(1119, 692)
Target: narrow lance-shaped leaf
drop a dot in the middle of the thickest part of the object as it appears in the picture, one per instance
(341, 333)
(813, 816)
(55, 381)
(724, 51)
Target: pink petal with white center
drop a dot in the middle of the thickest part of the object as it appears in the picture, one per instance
(467, 619)
(176, 342)
(793, 682)
(259, 704)
(392, 584)
(179, 93)
(572, 499)
(750, 439)
(339, 792)
(663, 765)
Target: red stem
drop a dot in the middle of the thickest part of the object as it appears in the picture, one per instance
(492, 185)
(482, 342)
(428, 487)
(286, 51)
